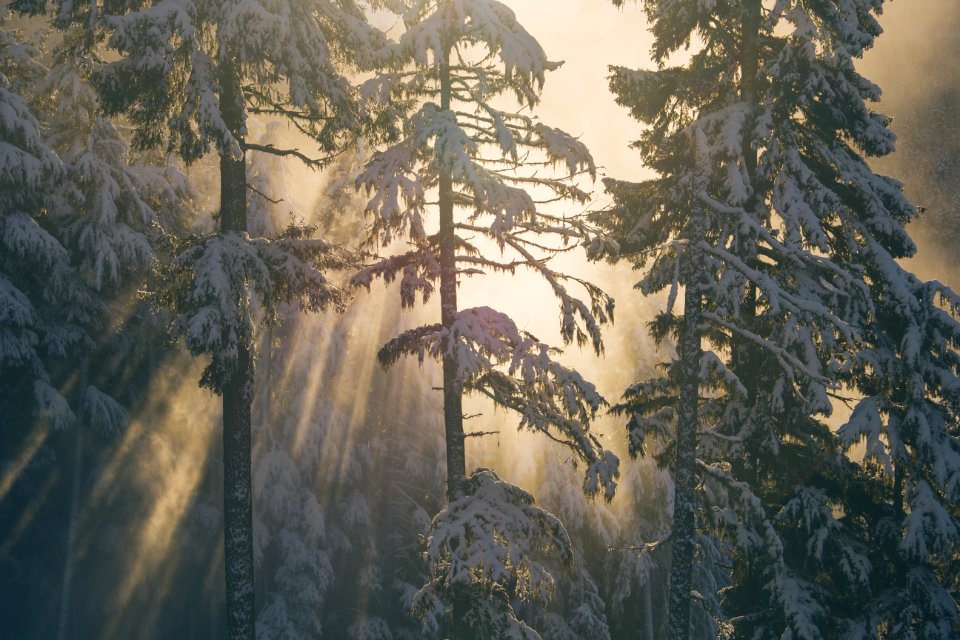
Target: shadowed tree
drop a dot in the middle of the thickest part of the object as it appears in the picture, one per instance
(188, 76)
(35, 272)
(785, 241)
(103, 211)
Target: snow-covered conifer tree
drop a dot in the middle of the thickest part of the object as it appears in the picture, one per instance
(74, 246)
(907, 423)
(35, 271)
(101, 210)
(102, 206)
(758, 142)
(456, 65)
(46, 313)
(188, 76)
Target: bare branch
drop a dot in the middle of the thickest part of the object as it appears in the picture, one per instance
(314, 163)
(480, 434)
(263, 195)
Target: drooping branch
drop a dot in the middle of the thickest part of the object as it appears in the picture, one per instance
(263, 195)
(313, 163)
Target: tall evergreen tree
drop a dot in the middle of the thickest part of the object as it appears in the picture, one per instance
(906, 421)
(786, 244)
(102, 211)
(48, 313)
(455, 64)
(36, 274)
(188, 76)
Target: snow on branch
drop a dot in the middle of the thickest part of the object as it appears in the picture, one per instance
(101, 411)
(218, 282)
(487, 547)
(52, 405)
(517, 371)
(420, 269)
(488, 23)
(573, 310)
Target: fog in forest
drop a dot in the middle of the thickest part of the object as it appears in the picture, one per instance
(349, 456)
(916, 64)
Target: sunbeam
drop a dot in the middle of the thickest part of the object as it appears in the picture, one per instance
(173, 176)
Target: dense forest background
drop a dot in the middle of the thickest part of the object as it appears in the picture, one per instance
(112, 527)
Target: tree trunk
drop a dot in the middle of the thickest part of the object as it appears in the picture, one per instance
(237, 393)
(688, 422)
(452, 386)
(749, 66)
(744, 354)
(648, 610)
(66, 586)
(898, 497)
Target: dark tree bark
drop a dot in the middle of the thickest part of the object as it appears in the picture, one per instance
(237, 394)
(452, 386)
(688, 423)
(746, 357)
(66, 586)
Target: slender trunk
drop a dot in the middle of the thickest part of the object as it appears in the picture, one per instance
(66, 587)
(744, 354)
(237, 394)
(648, 610)
(684, 523)
(684, 502)
(452, 386)
(750, 64)
(898, 498)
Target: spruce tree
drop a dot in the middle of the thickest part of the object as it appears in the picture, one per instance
(906, 423)
(47, 315)
(188, 76)
(36, 272)
(759, 142)
(456, 64)
(102, 210)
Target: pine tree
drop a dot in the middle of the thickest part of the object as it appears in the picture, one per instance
(906, 421)
(189, 76)
(47, 310)
(454, 64)
(47, 313)
(62, 316)
(757, 140)
(101, 210)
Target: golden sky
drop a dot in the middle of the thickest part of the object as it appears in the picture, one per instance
(590, 35)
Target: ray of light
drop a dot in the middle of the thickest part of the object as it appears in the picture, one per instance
(29, 513)
(162, 459)
(33, 442)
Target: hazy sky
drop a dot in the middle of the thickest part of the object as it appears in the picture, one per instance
(589, 35)
(916, 64)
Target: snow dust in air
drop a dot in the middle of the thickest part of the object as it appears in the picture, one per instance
(915, 62)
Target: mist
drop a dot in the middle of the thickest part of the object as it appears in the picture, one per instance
(355, 452)
(917, 64)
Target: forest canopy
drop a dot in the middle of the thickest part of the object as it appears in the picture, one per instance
(478, 320)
